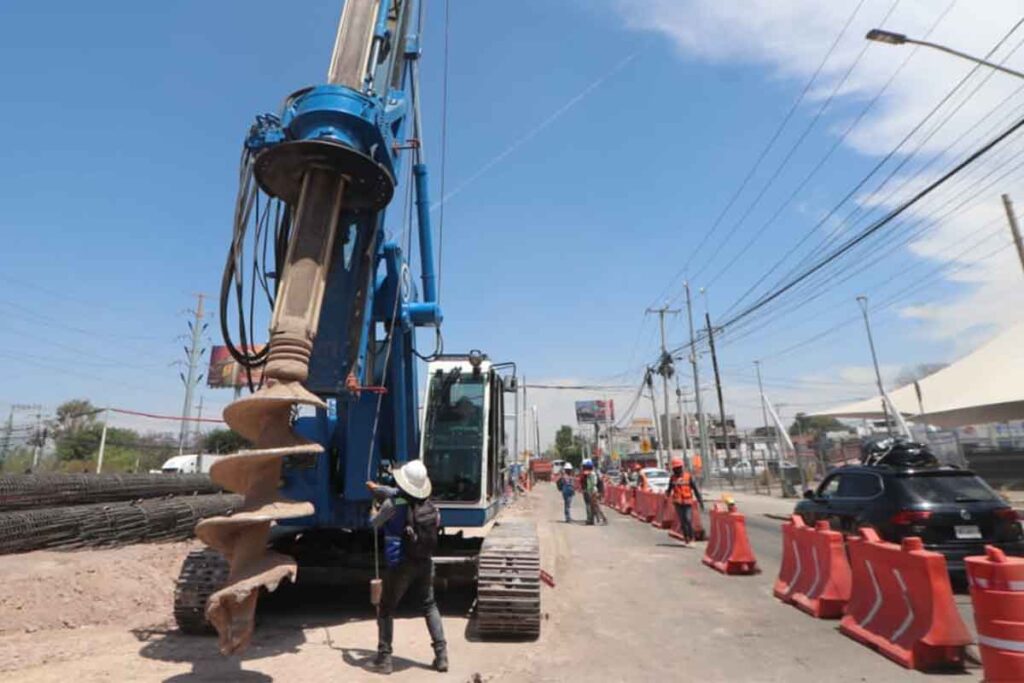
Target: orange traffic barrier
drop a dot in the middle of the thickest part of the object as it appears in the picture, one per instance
(901, 604)
(815, 575)
(791, 568)
(645, 505)
(997, 595)
(664, 513)
(627, 500)
(728, 549)
(611, 495)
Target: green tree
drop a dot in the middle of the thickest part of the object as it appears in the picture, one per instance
(815, 424)
(224, 441)
(569, 446)
(75, 430)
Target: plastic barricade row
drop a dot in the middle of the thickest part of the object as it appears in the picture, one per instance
(728, 549)
(645, 505)
(997, 596)
(815, 575)
(901, 604)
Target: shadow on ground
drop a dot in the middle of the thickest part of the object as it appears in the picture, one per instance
(281, 619)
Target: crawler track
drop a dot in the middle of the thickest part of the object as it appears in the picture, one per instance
(508, 582)
(203, 573)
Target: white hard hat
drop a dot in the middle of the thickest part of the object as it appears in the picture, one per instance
(567, 467)
(412, 478)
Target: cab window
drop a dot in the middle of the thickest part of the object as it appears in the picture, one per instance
(859, 485)
(830, 487)
(453, 436)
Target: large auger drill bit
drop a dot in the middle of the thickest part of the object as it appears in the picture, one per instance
(265, 419)
(332, 152)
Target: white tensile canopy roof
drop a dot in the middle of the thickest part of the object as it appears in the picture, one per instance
(985, 386)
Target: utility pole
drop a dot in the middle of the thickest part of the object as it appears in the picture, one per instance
(665, 370)
(103, 442)
(38, 439)
(536, 429)
(198, 434)
(863, 301)
(681, 409)
(1014, 228)
(515, 432)
(721, 401)
(767, 448)
(702, 429)
(195, 353)
(649, 381)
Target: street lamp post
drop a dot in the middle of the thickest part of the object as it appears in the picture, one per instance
(892, 38)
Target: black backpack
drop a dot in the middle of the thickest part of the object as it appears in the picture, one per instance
(422, 522)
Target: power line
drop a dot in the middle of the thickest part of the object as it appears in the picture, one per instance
(765, 150)
(778, 171)
(877, 167)
(874, 228)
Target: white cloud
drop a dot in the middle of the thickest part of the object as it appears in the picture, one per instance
(790, 37)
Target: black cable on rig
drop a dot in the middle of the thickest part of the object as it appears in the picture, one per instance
(247, 200)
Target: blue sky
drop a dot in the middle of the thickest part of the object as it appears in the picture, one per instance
(124, 122)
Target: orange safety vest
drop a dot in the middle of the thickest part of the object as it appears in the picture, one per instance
(682, 490)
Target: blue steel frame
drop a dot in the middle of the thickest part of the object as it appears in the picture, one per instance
(360, 299)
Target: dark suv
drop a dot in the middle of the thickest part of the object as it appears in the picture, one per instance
(952, 510)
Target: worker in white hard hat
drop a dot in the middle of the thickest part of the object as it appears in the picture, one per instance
(410, 524)
(567, 486)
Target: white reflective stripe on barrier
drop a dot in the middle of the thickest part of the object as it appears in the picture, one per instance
(817, 573)
(878, 595)
(910, 608)
(728, 540)
(1012, 586)
(796, 574)
(1001, 644)
(716, 538)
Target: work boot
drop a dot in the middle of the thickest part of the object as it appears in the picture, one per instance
(441, 661)
(383, 663)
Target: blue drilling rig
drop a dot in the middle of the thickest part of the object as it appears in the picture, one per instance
(337, 403)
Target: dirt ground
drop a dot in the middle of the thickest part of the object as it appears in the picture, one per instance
(629, 605)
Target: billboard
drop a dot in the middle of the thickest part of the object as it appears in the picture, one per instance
(226, 373)
(595, 412)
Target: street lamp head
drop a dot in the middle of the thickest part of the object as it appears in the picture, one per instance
(880, 36)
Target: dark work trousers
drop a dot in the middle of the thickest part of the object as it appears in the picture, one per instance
(589, 508)
(417, 576)
(683, 512)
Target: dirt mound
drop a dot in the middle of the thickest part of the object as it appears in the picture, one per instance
(129, 586)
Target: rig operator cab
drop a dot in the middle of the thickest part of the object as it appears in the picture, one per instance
(463, 440)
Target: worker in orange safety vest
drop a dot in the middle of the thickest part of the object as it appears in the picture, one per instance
(682, 490)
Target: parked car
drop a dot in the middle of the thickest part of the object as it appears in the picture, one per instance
(953, 511)
(657, 479)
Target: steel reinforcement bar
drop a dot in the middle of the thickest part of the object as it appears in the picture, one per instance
(22, 491)
(108, 524)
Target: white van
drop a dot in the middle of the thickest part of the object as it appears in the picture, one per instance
(189, 464)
